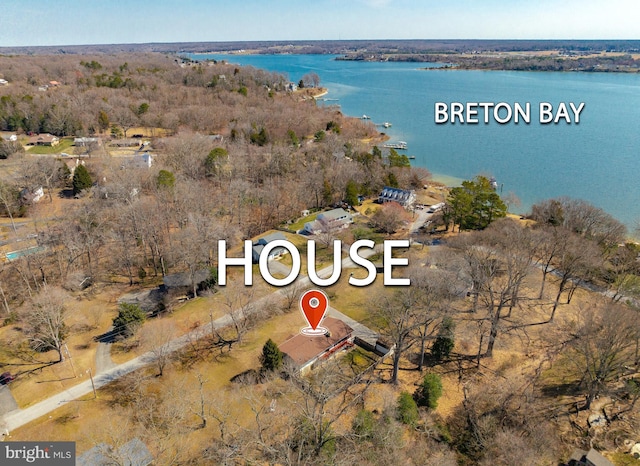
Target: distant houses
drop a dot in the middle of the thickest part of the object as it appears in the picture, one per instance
(330, 220)
(404, 197)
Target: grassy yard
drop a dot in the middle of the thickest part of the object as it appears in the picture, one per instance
(63, 146)
(299, 225)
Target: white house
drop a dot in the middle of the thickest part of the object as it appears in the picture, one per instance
(333, 219)
(142, 161)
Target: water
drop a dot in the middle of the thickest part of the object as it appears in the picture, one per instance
(596, 160)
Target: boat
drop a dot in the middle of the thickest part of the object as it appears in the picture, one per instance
(386, 124)
(412, 157)
(365, 117)
(400, 145)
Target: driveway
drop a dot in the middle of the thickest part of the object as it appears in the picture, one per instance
(18, 417)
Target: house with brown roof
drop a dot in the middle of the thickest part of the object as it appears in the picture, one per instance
(44, 140)
(304, 351)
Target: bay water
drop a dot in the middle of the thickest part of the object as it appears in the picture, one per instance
(597, 160)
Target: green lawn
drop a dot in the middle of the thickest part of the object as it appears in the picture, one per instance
(63, 146)
(299, 225)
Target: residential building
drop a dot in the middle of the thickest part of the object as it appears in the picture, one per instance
(330, 220)
(259, 245)
(83, 142)
(404, 197)
(304, 351)
(44, 140)
(30, 196)
(590, 458)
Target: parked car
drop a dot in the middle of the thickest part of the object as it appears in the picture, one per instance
(6, 378)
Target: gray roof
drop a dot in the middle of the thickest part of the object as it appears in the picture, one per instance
(176, 280)
(334, 214)
(396, 194)
(595, 458)
(271, 237)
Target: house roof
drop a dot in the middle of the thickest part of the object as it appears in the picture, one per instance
(271, 237)
(176, 280)
(595, 458)
(334, 214)
(43, 138)
(396, 194)
(304, 348)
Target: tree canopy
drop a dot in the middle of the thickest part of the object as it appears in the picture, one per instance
(81, 179)
(474, 205)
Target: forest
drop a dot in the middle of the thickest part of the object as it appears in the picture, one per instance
(516, 343)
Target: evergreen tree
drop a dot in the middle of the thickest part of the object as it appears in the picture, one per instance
(81, 179)
(444, 343)
(129, 318)
(429, 391)
(103, 120)
(166, 179)
(271, 357)
(474, 205)
(351, 193)
(215, 159)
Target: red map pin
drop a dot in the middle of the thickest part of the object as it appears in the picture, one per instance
(314, 305)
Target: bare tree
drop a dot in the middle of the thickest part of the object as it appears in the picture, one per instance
(45, 320)
(42, 172)
(602, 346)
(292, 293)
(400, 314)
(156, 337)
(498, 260)
(390, 217)
(576, 258)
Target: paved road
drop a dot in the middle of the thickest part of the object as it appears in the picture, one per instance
(20, 417)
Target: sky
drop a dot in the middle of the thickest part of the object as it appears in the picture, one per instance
(80, 22)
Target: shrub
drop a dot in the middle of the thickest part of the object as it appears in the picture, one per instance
(363, 424)
(429, 391)
(407, 409)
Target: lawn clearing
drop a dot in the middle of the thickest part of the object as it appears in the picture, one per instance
(62, 146)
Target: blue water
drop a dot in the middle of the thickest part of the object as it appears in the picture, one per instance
(597, 160)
